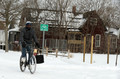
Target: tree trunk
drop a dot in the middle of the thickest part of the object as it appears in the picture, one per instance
(6, 39)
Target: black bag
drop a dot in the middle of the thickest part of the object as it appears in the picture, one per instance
(39, 59)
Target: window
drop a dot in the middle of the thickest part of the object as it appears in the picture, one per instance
(97, 40)
(71, 36)
(93, 21)
(113, 42)
(78, 36)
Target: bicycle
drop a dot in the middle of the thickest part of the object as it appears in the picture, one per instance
(31, 63)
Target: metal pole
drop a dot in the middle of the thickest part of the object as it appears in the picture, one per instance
(43, 42)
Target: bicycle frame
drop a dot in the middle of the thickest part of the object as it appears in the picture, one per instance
(30, 61)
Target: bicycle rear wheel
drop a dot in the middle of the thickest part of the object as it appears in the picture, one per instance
(22, 65)
(32, 64)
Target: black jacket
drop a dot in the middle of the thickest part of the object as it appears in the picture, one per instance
(28, 35)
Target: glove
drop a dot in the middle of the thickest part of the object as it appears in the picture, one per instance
(23, 44)
(38, 45)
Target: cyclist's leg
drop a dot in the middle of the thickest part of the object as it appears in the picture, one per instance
(29, 49)
(23, 54)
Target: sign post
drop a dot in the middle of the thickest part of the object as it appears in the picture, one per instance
(43, 27)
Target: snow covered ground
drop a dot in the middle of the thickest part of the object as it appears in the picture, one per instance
(61, 67)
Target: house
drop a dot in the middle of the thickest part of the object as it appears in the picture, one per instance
(94, 26)
(2, 35)
(13, 38)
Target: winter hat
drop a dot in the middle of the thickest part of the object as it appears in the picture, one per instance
(28, 23)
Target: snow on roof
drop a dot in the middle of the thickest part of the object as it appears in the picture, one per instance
(78, 21)
(15, 29)
(113, 30)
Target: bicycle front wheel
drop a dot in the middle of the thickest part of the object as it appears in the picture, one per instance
(22, 65)
(32, 64)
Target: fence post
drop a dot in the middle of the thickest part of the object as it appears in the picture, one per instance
(46, 51)
(68, 54)
(116, 57)
(56, 53)
(108, 49)
(92, 40)
(84, 48)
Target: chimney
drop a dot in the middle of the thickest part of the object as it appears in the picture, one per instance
(74, 10)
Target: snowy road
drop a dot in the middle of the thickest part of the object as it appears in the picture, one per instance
(60, 68)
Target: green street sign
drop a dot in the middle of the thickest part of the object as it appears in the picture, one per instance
(44, 27)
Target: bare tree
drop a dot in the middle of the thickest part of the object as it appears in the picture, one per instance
(60, 8)
(10, 9)
(30, 3)
(108, 11)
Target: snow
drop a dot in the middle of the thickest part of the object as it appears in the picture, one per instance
(114, 31)
(61, 67)
(15, 29)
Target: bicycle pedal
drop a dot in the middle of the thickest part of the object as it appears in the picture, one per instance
(29, 67)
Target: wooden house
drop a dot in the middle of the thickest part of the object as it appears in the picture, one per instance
(2, 35)
(13, 39)
(94, 26)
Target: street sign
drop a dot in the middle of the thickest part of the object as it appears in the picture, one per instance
(44, 27)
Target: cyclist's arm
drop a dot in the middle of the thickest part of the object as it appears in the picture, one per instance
(35, 37)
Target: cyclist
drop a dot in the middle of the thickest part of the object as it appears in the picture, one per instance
(27, 36)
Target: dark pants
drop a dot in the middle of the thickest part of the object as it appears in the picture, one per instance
(28, 49)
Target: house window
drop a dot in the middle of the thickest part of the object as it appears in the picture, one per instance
(97, 40)
(113, 42)
(77, 37)
(71, 36)
(93, 21)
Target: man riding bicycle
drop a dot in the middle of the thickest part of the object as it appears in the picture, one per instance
(27, 36)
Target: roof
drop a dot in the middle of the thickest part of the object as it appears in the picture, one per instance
(91, 17)
(113, 31)
(16, 29)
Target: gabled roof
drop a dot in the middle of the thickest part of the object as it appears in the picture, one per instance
(90, 16)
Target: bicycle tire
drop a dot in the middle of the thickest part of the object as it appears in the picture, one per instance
(32, 64)
(22, 65)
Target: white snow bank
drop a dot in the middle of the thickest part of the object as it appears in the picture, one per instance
(61, 67)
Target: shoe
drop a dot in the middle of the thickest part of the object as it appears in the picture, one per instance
(29, 67)
(23, 59)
